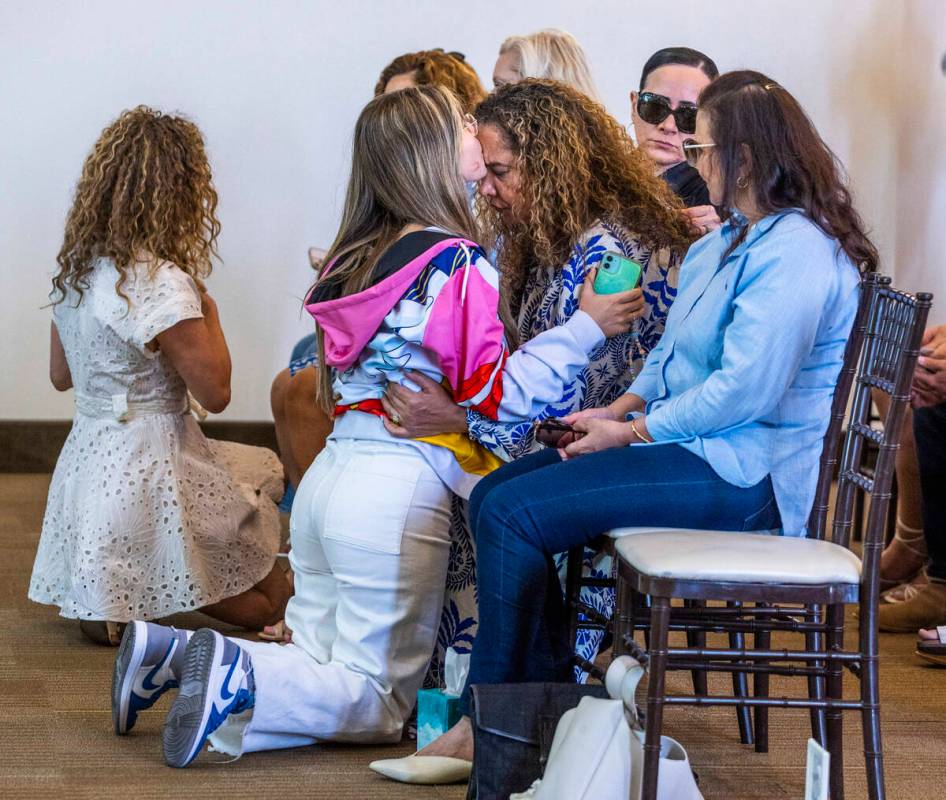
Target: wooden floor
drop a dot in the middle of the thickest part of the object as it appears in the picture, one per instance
(56, 739)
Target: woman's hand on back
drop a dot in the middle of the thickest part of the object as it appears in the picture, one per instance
(614, 313)
(427, 412)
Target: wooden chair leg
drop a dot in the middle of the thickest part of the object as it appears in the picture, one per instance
(740, 686)
(642, 601)
(857, 527)
(623, 617)
(816, 687)
(870, 718)
(697, 639)
(659, 626)
(835, 691)
(891, 529)
(576, 559)
(760, 688)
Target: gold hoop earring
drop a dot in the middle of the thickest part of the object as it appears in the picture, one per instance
(742, 182)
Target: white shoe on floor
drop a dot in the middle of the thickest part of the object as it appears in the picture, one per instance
(428, 770)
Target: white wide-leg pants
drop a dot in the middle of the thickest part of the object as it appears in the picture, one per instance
(370, 546)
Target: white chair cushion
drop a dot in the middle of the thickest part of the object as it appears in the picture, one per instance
(617, 533)
(737, 557)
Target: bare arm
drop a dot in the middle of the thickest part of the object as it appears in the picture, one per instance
(199, 353)
(59, 372)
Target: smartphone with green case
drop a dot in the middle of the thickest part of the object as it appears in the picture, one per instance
(617, 273)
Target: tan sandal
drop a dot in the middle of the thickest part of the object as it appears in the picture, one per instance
(905, 591)
(914, 544)
(104, 632)
(925, 609)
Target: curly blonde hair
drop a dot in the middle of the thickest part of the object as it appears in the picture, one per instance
(145, 193)
(437, 68)
(576, 165)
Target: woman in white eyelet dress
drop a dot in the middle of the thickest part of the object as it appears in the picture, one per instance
(145, 516)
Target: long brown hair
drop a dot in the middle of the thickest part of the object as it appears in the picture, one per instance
(145, 193)
(437, 68)
(405, 169)
(791, 166)
(576, 164)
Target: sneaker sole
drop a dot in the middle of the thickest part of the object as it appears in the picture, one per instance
(188, 715)
(131, 653)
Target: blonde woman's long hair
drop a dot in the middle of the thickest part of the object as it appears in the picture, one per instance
(553, 55)
(405, 170)
(145, 192)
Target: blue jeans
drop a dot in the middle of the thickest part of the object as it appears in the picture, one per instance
(539, 505)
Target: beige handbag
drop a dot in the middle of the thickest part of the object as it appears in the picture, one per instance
(598, 750)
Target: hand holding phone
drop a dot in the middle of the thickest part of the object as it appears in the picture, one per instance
(616, 273)
(551, 431)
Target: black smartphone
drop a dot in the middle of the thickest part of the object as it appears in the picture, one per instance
(550, 431)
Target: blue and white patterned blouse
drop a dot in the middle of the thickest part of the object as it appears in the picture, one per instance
(551, 296)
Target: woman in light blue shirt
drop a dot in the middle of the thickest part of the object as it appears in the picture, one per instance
(723, 427)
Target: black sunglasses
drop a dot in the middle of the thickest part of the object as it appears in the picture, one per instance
(655, 108)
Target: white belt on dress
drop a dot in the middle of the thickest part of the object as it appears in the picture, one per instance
(121, 409)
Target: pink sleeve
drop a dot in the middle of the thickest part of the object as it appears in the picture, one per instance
(466, 334)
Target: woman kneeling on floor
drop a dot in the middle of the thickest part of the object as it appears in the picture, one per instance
(145, 516)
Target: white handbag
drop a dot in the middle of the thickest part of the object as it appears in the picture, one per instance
(598, 750)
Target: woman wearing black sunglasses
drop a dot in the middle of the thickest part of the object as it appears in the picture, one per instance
(664, 114)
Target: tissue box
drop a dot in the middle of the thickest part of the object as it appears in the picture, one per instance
(436, 714)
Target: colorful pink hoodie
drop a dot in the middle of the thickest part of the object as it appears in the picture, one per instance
(433, 308)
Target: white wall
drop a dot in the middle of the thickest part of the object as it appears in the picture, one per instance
(277, 85)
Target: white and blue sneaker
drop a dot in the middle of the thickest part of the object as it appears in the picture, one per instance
(216, 681)
(148, 663)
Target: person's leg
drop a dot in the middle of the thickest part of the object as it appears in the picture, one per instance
(382, 520)
(546, 506)
(927, 607)
(523, 521)
(307, 425)
(261, 604)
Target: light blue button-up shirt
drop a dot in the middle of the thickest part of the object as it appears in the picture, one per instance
(745, 371)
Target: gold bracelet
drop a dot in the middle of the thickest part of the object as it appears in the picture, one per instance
(637, 433)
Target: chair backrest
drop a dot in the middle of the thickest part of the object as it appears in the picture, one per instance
(818, 519)
(892, 342)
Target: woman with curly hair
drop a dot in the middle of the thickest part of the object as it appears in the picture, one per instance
(564, 185)
(145, 517)
(433, 68)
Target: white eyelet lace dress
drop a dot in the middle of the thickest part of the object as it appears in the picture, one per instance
(145, 516)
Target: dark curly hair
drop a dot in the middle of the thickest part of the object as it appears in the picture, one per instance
(576, 164)
(145, 192)
(437, 68)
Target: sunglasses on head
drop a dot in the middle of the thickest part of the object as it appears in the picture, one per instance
(655, 108)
